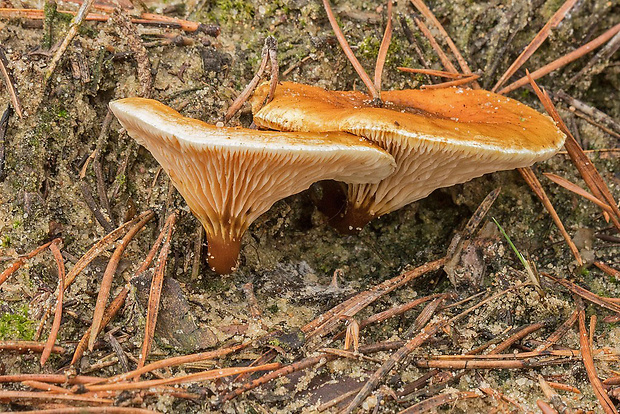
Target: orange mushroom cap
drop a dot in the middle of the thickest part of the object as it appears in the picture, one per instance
(230, 176)
(438, 137)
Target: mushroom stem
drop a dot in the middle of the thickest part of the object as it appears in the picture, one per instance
(352, 221)
(223, 253)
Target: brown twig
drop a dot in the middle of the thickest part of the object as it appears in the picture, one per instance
(51, 340)
(93, 410)
(517, 336)
(608, 269)
(538, 189)
(588, 361)
(584, 293)
(374, 93)
(28, 346)
(94, 208)
(564, 60)
(51, 378)
(540, 37)
(603, 54)
(434, 72)
(559, 332)
(14, 396)
(106, 280)
(10, 83)
(155, 293)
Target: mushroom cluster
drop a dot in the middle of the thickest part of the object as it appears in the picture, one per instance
(438, 138)
(230, 176)
(379, 158)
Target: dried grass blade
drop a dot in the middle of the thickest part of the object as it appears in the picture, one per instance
(570, 186)
(76, 22)
(540, 37)
(535, 185)
(585, 294)
(442, 55)
(106, 280)
(51, 340)
(374, 93)
(383, 49)
(564, 60)
(155, 293)
(450, 84)
(20, 262)
(421, 6)
(10, 83)
(588, 362)
(588, 172)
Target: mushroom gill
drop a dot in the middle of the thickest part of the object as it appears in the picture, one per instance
(438, 137)
(230, 176)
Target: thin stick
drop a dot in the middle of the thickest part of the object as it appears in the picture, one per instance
(155, 293)
(520, 334)
(28, 346)
(4, 126)
(106, 280)
(14, 396)
(538, 189)
(564, 60)
(93, 410)
(584, 293)
(540, 37)
(47, 351)
(608, 269)
(383, 49)
(559, 333)
(51, 378)
(76, 22)
(588, 362)
(10, 83)
(374, 93)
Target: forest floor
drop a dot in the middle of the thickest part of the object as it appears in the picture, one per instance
(289, 254)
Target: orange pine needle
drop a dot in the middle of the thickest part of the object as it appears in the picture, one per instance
(456, 82)
(383, 49)
(540, 37)
(51, 340)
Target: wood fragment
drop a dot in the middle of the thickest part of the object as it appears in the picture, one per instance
(4, 126)
(250, 297)
(564, 60)
(106, 280)
(51, 340)
(532, 47)
(155, 293)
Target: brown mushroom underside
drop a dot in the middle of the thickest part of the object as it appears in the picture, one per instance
(230, 176)
(438, 137)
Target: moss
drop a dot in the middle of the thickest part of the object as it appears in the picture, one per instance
(16, 325)
(5, 242)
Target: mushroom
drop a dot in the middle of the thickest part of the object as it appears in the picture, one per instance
(230, 176)
(438, 137)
